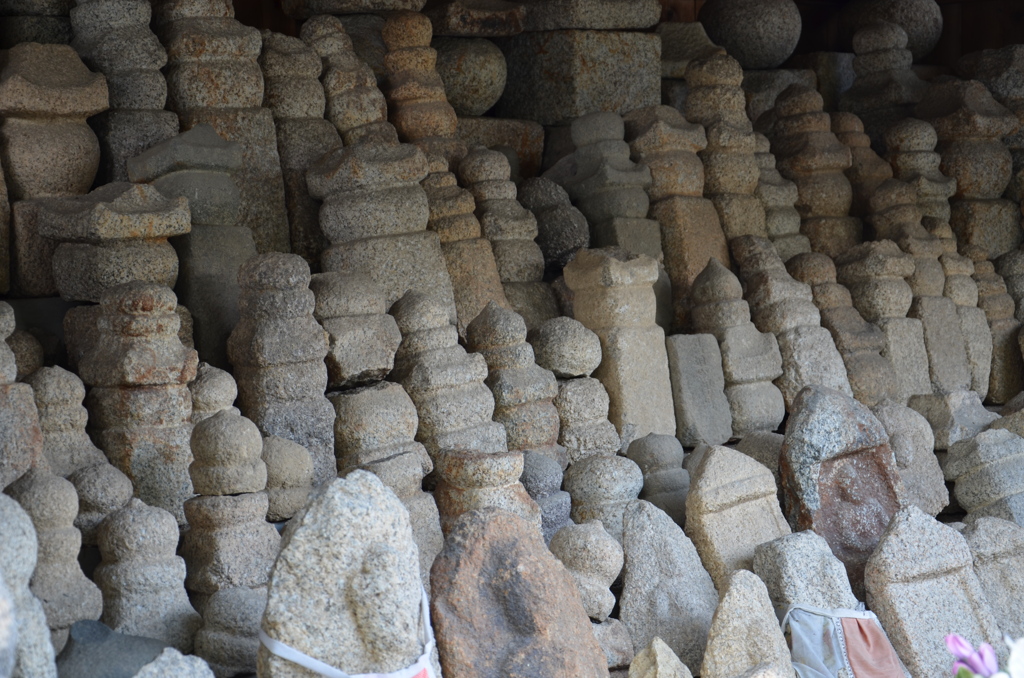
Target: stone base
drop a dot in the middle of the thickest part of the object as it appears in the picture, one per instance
(474, 278)
(904, 347)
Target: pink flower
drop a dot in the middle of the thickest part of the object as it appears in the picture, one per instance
(987, 658)
(959, 647)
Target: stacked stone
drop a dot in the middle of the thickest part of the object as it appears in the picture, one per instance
(999, 70)
(613, 296)
(139, 401)
(910, 150)
(750, 359)
(1006, 378)
(43, 22)
(783, 306)
(278, 349)
(141, 578)
(602, 487)
(963, 290)
(470, 481)
(511, 229)
(446, 384)
(289, 477)
(229, 544)
(572, 352)
(778, 196)
(542, 478)
(661, 138)
(860, 343)
(362, 337)
(354, 103)
(731, 171)
(375, 214)
(983, 471)
(213, 77)
(293, 93)
(114, 38)
(875, 274)
(969, 125)
(868, 170)
(199, 165)
(562, 230)
(48, 150)
(212, 390)
(666, 482)
(114, 235)
(419, 109)
(886, 88)
(810, 155)
(523, 391)
(58, 581)
(374, 430)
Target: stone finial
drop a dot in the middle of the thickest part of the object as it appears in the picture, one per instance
(562, 230)
(601, 488)
(566, 347)
(102, 489)
(289, 476)
(542, 478)
(227, 449)
(212, 390)
(62, 419)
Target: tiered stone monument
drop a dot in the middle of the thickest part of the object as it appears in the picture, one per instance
(666, 482)
(278, 349)
(212, 390)
(867, 169)
(114, 38)
(910, 150)
(562, 230)
(213, 77)
(601, 487)
(1007, 374)
(44, 22)
(139, 401)
(778, 196)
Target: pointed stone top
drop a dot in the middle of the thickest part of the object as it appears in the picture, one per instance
(494, 327)
(417, 311)
(594, 127)
(483, 164)
(965, 109)
(911, 134)
(718, 69)
(366, 165)
(200, 148)
(116, 211)
(879, 36)
(55, 385)
(287, 56)
(49, 80)
(826, 423)
(725, 477)
(754, 254)
(797, 99)
(274, 271)
(915, 546)
(658, 661)
(138, 531)
(662, 128)
(610, 267)
(715, 283)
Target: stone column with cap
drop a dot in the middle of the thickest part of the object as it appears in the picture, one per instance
(278, 349)
(614, 297)
(910, 150)
(867, 169)
(113, 37)
(292, 91)
(213, 77)
(139, 401)
(778, 196)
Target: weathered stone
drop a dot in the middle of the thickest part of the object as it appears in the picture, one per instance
(921, 19)
(997, 546)
(743, 635)
(226, 449)
(470, 481)
(483, 18)
(212, 390)
(666, 591)
(799, 569)
(594, 560)
(984, 469)
(102, 489)
(778, 196)
(921, 584)
(289, 476)
(602, 486)
(278, 349)
(562, 230)
(839, 475)
(542, 479)
(492, 541)
(584, 429)
(698, 389)
(173, 663)
(141, 578)
(953, 417)
(912, 442)
(666, 483)
(757, 34)
(868, 170)
(229, 638)
(473, 72)
(566, 347)
(910, 150)
(58, 396)
(658, 661)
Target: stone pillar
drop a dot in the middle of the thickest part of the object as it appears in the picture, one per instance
(867, 170)
(470, 481)
(810, 155)
(542, 477)
(661, 138)
(750, 359)
(730, 169)
(114, 38)
(1007, 375)
(213, 77)
(48, 149)
(200, 165)
(139, 401)
(778, 196)
(614, 297)
(278, 349)
(293, 93)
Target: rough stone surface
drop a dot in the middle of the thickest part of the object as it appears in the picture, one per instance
(562, 230)
(566, 347)
(584, 429)
(997, 547)
(657, 660)
(226, 451)
(984, 469)
(289, 476)
(229, 638)
(921, 19)
(757, 34)
(602, 487)
(173, 663)
(594, 559)
(479, 607)
(799, 569)
(698, 389)
(666, 483)
(913, 443)
(473, 72)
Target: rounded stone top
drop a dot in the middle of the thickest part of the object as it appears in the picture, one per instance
(566, 347)
(463, 468)
(226, 439)
(844, 122)
(911, 134)
(542, 475)
(494, 327)
(287, 56)
(406, 29)
(274, 271)
(138, 531)
(483, 164)
(417, 311)
(965, 108)
(53, 385)
(139, 298)
(890, 193)
(51, 500)
(326, 35)
(654, 452)
(797, 99)
(6, 320)
(761, 143)
(758, 33)
(920, 19)
(812, 268)
(594, 127)
(539, 193)
(19, 547)
(603, 478)
(878, 37)
(718, 69)
(213, 388)
(340, 294)
(589, 549)
(101, 487)
(288, 463)
(715, 283)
